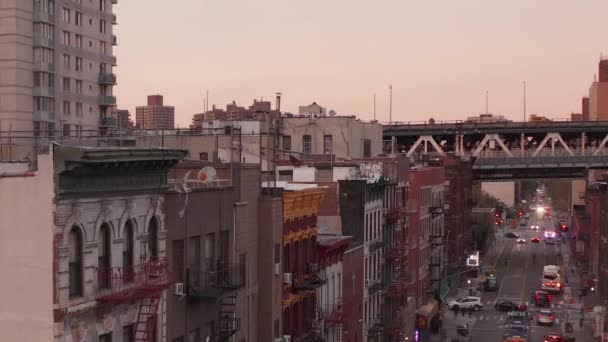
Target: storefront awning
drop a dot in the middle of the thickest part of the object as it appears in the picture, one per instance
(426, 313)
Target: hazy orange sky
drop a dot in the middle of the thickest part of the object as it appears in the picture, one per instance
(440, 56)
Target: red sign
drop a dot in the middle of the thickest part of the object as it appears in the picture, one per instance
(421, 322)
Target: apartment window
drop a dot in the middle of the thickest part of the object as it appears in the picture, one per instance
(78, 18)
(78, 109)
(67, 61)
(78, 87)
(105, 337)
(44, 80)
(44, 30)
(66, 84)
(66, 38)
(78, 129)
(78, 64)
(103, 48)
(44, 104)
(127, 249)
(127, 333)
(277, 253)
(367, 148)
(194, 263)
(75, 262)
(287, 142)
(78, 39)
(44, 55)
(103, 249)
(296, 257)
(177, 253)
(102, 5)
(276, 328)
(67, 108)
(307, 145)
(209, 249)
(102, 26)
(67, 14)
(286, 260)
(327, 144)
(204, 156)
(153, 239)
(66, 130)
(47, 6)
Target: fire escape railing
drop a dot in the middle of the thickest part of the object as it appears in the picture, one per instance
(118, 284)
(215, 281)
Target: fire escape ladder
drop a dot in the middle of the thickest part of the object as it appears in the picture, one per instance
(227, 324)
(146, 319)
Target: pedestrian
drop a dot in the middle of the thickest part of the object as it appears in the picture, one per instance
(470, 312)
(463, 310)
(580, 322)
(455, 310)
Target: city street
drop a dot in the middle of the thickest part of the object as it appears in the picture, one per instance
(519, 274)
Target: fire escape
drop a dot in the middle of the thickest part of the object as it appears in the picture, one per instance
(144, 282)
(219, 283)
(437, 242)
(309, 280)
(337, 315)
(396, 260)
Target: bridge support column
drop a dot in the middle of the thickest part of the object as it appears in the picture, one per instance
(601, 146)
(583, 143)
(522, 144)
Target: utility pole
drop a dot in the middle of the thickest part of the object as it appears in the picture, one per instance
(487, 112)
(374, 106)
(524, 101)
(390, 105)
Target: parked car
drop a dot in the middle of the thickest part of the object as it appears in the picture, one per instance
(521, 240)
(545, 317)
(509, 305)
(466, 303)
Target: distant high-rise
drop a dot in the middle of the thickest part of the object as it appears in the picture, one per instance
(598, 94)
(57, 66)
(155, 115)
(123, 119)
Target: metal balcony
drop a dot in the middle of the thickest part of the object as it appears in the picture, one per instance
(114, 21)
(215, 282)
(41, 115)
(114, 40)
(114, 61)
(310, 280)
(107, 101)
(107, 78)
(42, 41)
(107, 121)
(114, 2)
(39, 15)
(43, 66)
(375, 285)
(376, 245)
(121, 284)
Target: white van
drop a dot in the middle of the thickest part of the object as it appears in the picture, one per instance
(552, 280)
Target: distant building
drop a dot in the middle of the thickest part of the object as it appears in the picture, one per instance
(585, 108)
(155, 115)
(487, 118)
(123, 119)
(313, 110)
(538, 118)
(260, 110)
(598, 94)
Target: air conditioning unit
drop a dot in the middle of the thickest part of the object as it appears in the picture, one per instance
(368, 282)
(178, 289)
(287, 278)
(277, 268)
(286, 338)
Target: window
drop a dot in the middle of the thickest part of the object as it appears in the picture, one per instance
(327, 144)
(277, 331)
(78, 18)
(66, 84)
(105, 337)
(177, 253)
(204, 156)
(66, 61)
(296, 257)
(127, 250)
(66, 15)
(44, 30)
(44, 104)
(78, 129)
(78, 39)
(44, 80)
(194, 263)
(78, 65)
(102, 26)
(103, 252)
(367, 148)
(66, 38)
(78, 87)
(103, 49)
(127, 333)
(307, 145)
(78, 109)
(286, 251)
(44, 55)
(66, 108)
(209, 249)
(66, 130)
(75, 262)
(287, 142)
(102, 5)
(153, 239)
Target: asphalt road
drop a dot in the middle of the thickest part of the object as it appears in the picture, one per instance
(518, 279)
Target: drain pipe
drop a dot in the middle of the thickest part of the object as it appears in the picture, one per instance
(234, 210)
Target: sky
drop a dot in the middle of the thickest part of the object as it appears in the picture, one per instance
(440, 56)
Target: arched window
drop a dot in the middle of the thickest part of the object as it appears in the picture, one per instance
(75, 262)
(153, 239)
(103, 258)
(127, 251)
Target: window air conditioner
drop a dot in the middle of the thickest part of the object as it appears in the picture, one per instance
(178, 289)
(277, 268)
(287, 278)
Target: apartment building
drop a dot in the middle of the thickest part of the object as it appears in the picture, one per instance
(155, 115)
(56, 60)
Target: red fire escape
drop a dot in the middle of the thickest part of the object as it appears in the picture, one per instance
(337, 315)
(396, 256)
(144, 282)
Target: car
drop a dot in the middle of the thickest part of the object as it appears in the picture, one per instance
(517, 317)
(466, 303)
(512, 235)
(535, 239)
(555, 337)
(534, 227)
(545, 317)
(542, 298)
(521, 240)
(518, 331)
(509, 305)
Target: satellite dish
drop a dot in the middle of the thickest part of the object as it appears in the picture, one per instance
(207, 174)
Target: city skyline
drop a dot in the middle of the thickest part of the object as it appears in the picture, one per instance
(554, 46)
